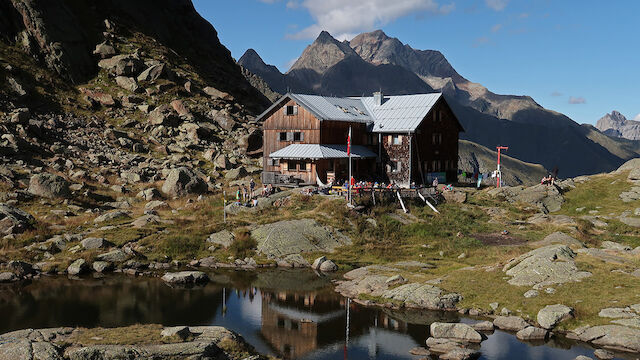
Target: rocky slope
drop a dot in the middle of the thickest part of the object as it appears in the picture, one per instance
(477, 158)
(374, 61)
(617, 125)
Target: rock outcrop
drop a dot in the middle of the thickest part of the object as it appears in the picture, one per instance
(553, 264)
(617, 125)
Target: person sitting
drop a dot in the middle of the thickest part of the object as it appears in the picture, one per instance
(546, 180)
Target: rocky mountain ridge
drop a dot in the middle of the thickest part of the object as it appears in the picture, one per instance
(329, 67)
(617, 125)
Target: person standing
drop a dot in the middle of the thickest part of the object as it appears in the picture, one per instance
(252, 186)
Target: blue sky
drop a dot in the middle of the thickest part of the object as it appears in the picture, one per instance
(578, 57)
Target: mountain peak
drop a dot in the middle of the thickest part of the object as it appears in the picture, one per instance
(323, 53)
(251, 57)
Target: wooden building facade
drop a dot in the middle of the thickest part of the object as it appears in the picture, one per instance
(398, 139)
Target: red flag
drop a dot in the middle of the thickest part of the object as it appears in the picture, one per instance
(349, 143)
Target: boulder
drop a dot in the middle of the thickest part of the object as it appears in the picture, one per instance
(547, 198)
(610, 245)
(164, 115)
(328, 266)
(317, 262)
(424, 296)
(115, 256)
(549, 316)
(181, 332)
(78, 267)
(102, 266)
(122, 65)
(93, 243)
(150, 194)
(553, 264)
(510, 323)
(14, 220)
(614, 337)
(216, 94)
(186, 277)
(460, 354)
(532, 333)
(183, 181)
(127, 83)
(486, 326)
(235, 174)
(296, 236)
(49, 186)
(153, 72)
(110, 216)
(104, 50)
(145, 220)
(223, 238)
(603, 354)
(96, 97)
(7, 277)
(559, 237)
(156, 205)
(21, 268)
(617, 313)
(456, 331)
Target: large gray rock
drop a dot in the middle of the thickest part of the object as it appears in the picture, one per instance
(549, 316)
(110, 216)
(546, 198)
(296, 236)
(614, 337)
(183, 181)
(127, 83)
(423, 296)
(223, 238)
(293, 261)
(456, 331)
(559, 237)
(115, 256)
(21, 268)
(617, 313)
(7, 277)
(532, 333)
(14, 220)
(49, 186)
(510, 323)
(553, 264)
(122, 65)
(186, 277)
(93, 243)
(328, 266)
(78, 267)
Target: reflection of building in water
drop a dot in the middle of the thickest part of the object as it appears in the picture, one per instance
(296, 324)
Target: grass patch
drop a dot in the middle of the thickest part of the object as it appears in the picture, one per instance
(601, 193)
(130, 335)
(243, 245)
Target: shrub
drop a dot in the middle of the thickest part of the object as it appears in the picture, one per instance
(244, 245)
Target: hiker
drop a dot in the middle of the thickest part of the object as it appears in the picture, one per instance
(480, 176)
(435, 182)
(238, 196)
(270, 190)
(554, 174)
(244, 194)
(252, 186)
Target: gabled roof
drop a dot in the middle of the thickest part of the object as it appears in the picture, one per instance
(327, 108)
(317, 151)
(396, 114)
(400, 113)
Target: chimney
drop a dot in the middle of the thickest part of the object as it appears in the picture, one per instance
(377, 98)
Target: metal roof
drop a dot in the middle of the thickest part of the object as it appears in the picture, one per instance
(317, 151)
(402, 113)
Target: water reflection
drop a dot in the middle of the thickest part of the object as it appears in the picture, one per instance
(289, 314)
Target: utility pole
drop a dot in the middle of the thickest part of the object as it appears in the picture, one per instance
(499, 174)
(349, 154)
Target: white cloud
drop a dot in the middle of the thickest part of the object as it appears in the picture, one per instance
(637, 118)
(344, 18)
(577, 100)
(497, 5)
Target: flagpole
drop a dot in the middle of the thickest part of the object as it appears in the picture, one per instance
(349, 153)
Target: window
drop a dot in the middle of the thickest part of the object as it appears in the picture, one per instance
(283, 136)
(273, 162)
(372, 139)
(436, 138)
(437, 116)
(394, 167)
(298, 136)
(396, 139)
(297, 165)
(291, 110)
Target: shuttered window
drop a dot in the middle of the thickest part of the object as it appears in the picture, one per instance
(291, 110)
